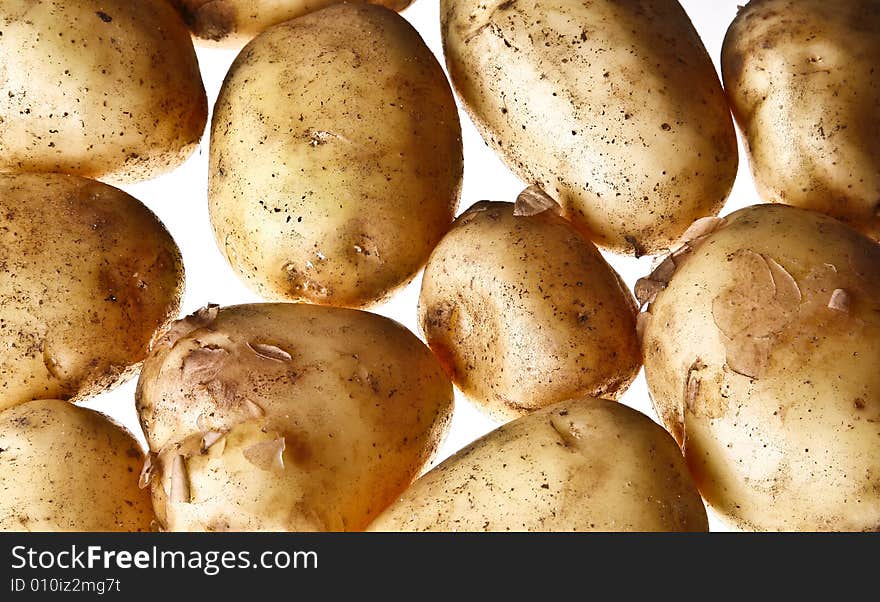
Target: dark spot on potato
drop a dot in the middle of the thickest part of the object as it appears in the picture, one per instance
(638, 249)
(104, 16)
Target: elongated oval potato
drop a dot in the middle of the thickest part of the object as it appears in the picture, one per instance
(582, 465)
(761, 354)
(287, 417)
(335, 159)
(66, 468)
(523, 311)
(802, 77)
(88, 275)
(233, 23)
(108, 90)
(614, 108)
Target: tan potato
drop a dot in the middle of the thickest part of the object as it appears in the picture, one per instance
(802, 79)
(614, 108)
(761, 354)
(287, 417)
(582, 465)
(523, 311)
(65, 468)
(88, 275)
(342, 205)
(233, 23)
(108, 90)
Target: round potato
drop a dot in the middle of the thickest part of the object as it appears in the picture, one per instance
(287, 417)
(802, 79)
(582, 465)
(523, 311)
(88, 275)
(108, 90)
(761, 353)
(614, 108)
(66, 468)
(233, 23)
(342, 205)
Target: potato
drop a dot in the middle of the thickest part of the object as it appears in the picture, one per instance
(761, 354)
(108, 90)
(523, 311)
(287, 417)
(336, 158)
(614, 108)
(581, 465)
(88, 275)
(232, 23)
(802, 80)
(66, 468)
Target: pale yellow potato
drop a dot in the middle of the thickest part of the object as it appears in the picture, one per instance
(802, 78)
(336, 158)
(276, 417)
(88, 275)
(761, 354)
(66, 468)
(614, 108)
(523, 311)
(233, 23)
(108, 90)
(579, 465)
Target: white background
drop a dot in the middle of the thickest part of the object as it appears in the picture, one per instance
(180, 201)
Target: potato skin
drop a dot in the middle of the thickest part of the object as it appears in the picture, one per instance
(66, 468)
(233, 23)
(109, 91)
(761, 357)
(88, 275)
(339, 206)
(614, 108)
(524, 312)
(801, 77)
(316, 417)
(579, 465)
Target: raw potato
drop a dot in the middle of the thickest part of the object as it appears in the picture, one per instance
(761, 353)
(88, 275)
(287, 417)
(232, 23)
(335, 159)
(614, 108)
(523, 311)
(66, 468)
(582, 465)
(803, 79)
(108, 90)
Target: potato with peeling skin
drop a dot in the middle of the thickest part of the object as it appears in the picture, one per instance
(761, 348)
(523, 311)
(580, 465)
(336, 158)
(614, 108)
(88, 275)
(287, 417)
(66, 468)
(108, 90)
(233, 23)
(802, 77)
